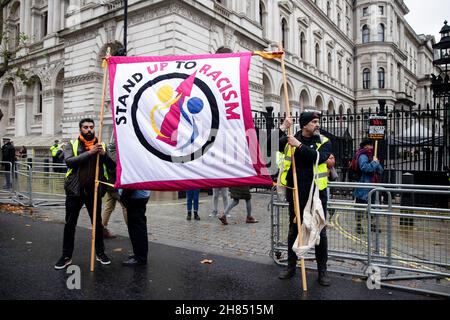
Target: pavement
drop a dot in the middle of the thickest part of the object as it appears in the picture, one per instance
(29, 247)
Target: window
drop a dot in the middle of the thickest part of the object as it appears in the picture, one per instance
(365, 34)
(317, 55)
(381, 32)
(339, 20)
(44, 24)
(381, 78)
(381, 10)
(348, 29)
(366, 79)
(365, 11)
(340, 71)
(302, 45)
(283, 33)
(329, 63)
(328, 9)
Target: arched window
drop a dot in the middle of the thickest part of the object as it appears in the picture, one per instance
(340, 71)
(365, 34)
(381, 32)
(262, 16)
(317, 56)
(302, 45)
(339, 20)
(284, 30)
(366, 78)
(328, 9)
(330, 62)
(381, 78)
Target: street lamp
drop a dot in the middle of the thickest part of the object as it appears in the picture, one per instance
(440, 84)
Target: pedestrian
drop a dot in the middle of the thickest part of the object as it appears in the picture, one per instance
(54, 150)
(9, 159)
(135, 202)
(237, 193)
(81, 159)
(215, 200)
(307, 143)
(23, 152)
(369, 171)
(192, 197)
(332, 176)
(60, 159)
(112, 196)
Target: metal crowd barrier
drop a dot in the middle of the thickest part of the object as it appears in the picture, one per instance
(402, 241)
(34, 184)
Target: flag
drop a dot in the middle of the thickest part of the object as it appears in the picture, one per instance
(184, 122)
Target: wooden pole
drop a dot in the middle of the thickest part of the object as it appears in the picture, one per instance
(376, 149)
(294, 172)
(97, 167)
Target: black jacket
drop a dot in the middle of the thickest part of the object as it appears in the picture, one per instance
(83, 166)
(8, 154)
(305, 159)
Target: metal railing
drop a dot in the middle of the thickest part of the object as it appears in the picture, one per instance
(392, 235)
(35, 183)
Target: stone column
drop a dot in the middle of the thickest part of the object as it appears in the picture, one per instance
(21, 115)
(27, 17)
(56, 15)
(22, 15)
(374, 72)
(387, 75)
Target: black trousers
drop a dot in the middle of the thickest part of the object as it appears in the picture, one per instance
(137, 226)
(321, 251)
(73, 207)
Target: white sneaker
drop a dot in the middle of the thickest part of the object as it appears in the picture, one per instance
(213, 214)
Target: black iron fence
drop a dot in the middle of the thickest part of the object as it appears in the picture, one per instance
(416, 140)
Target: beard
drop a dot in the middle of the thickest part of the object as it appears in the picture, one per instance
(88, 136)
(316, 132)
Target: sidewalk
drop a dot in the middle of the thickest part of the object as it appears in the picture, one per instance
(30, 247)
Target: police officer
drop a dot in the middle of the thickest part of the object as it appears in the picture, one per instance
(306, 141)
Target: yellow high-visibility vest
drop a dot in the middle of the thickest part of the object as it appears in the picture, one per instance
(75, 153)
(322, 170)
(54, 150)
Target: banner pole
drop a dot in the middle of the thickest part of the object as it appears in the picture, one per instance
(294, 172)
(376, 149)
(97, 167)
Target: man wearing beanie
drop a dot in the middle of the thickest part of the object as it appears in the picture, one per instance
(306, 141)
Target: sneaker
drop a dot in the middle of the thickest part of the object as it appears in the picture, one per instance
(223, 219)
(63, 262)
(251, 220)
(213, 214)
(196, 217)
(107, 234)
(133, 261)
(103, 258)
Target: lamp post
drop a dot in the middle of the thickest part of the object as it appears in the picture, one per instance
(440, 84)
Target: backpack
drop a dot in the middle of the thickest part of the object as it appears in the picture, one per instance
(354, 172)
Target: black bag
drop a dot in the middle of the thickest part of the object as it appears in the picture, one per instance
(72, 184)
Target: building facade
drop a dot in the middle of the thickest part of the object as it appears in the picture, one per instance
(341, 55)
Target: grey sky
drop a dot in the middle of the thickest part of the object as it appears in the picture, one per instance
(427, 16)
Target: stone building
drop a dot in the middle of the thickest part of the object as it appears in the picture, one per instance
(341, 55)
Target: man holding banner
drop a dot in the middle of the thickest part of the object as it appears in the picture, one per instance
(80, 157)
(307, 142)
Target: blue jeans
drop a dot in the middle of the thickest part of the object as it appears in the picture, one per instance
(192, 196)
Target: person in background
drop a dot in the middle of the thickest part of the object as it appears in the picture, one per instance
(237, 193)
(215, 200)
(192, 198)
